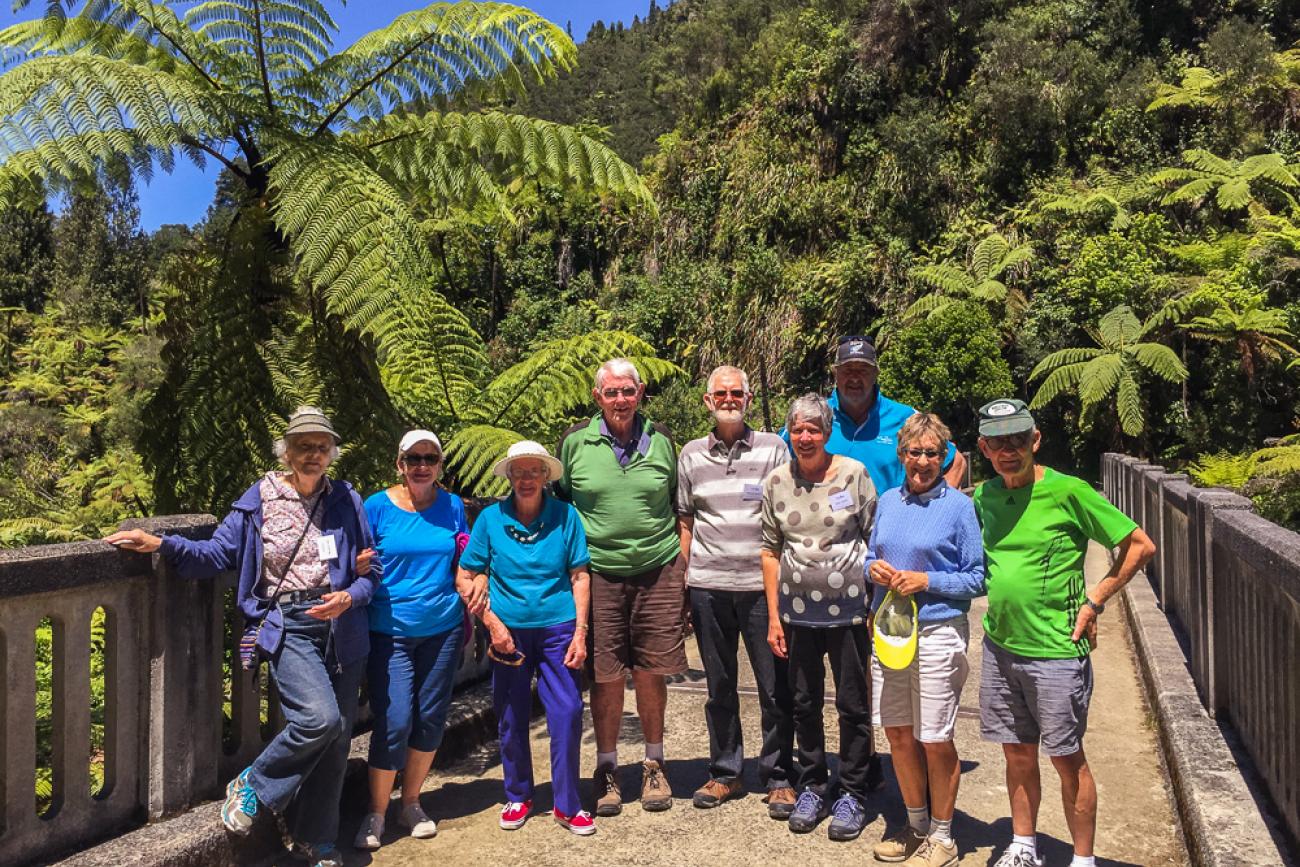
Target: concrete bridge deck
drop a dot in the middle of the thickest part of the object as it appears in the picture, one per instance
(1136, 823)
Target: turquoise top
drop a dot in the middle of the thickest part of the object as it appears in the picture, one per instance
(417, 596)
(528, 566)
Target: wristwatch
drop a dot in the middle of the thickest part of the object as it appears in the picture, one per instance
(1097, 607)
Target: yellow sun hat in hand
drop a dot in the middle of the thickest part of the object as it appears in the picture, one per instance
(894, 631)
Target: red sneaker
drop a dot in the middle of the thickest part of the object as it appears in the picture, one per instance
(579, 823)
(514, 814)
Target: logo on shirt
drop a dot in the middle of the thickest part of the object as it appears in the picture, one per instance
(885, 440)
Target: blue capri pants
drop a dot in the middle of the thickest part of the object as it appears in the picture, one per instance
(411, 679)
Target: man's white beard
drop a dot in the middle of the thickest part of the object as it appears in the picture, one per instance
(728, 416)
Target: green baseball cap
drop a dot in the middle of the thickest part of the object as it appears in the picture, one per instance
(1003, 416)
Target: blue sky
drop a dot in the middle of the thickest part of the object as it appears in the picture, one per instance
(183, 196)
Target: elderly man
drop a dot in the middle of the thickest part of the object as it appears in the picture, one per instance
(866, 423)
(1036, 681)
(719, 500)
(620, 473)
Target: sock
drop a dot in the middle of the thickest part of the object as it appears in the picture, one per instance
(607, 760)
(919, 819)
(941, 830)
(655, 751)
(1084, 861)
(1027, 844)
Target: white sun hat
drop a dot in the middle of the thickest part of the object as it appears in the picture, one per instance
(411, 437)
(528, 449)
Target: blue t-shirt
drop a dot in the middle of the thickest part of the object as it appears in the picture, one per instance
(874, 443)
(417, 596)
(528, 566)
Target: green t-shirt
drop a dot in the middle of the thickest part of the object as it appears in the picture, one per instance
(1035, 539)
(626, 511)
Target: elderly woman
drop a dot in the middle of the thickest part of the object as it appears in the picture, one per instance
(925, 543)
(300, 543)
(534, 551)
(816, 519)
(416, 631)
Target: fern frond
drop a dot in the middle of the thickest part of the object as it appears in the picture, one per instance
(471, 453)
(946, 277)
(1128, 404)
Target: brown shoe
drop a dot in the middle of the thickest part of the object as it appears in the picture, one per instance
(780, 802)
(604, 785)
(656, 795)
(899, 846)
(714, 792)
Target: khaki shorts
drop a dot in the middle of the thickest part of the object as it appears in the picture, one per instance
(926, 694)
(636, 622)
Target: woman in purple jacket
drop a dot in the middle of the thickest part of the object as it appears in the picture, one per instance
(302, 547)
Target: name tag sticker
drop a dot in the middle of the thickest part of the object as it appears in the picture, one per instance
(326, 549)
(841, 500)
(753, 493)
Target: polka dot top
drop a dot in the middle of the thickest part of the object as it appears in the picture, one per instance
(820, 532)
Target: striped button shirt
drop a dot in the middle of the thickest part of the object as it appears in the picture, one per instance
(722, 489)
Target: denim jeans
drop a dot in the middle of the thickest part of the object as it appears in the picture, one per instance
(557, 686)
(849, 652)
(300, 772)
(410, 679)
(722, 618)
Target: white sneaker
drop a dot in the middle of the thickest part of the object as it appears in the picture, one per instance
(372, 828)
(1015, 856)
(422, 827)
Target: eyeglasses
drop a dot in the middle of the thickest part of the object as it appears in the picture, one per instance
(922, 453)
(415, 460)
(611, 393)
(311, 448)
(1015, 442)
(534, 473)
(735, 393)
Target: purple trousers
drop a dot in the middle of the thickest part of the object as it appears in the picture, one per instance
(557, 687)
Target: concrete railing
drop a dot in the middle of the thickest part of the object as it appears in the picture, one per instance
(168, 741)
(1230, 580)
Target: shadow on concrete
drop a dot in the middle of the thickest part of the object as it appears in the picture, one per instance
(972, 833)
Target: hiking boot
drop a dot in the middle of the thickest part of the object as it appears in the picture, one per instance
(370, 832)
(240, 808)
(714, 792)
(848, 818)
(780, 802)
(808, 810)
(420, 825)
(604, 785)
(934, 854)
(898, 846)
(579, 823)
(656, 794)
(515, 814)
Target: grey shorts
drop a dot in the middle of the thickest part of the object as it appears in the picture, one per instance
(1034, 701)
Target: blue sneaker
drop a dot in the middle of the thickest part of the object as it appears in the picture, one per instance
(847, 819)
(808, 811)
(240, 808)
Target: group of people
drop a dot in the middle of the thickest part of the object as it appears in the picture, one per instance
(601, 557)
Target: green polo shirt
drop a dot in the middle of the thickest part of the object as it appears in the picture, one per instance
(627, 510)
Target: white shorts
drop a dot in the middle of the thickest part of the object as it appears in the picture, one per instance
(925, 695)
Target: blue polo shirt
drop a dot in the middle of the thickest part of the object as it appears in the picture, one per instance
(528, 566)
(874, 443)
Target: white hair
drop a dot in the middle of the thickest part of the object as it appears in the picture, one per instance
(617, 367)
(811, 407)
(727, 370)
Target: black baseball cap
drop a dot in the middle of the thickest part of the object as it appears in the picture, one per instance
(855, 347)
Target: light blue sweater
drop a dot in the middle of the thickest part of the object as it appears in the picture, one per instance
(935, 533)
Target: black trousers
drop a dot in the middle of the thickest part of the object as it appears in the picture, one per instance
(722, 618)
(849, 650)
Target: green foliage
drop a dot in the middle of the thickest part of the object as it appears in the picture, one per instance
(992, 259)
(1111, 368)
(947, 364)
